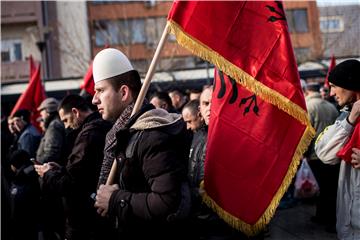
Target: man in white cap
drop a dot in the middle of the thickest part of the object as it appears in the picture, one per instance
(151, 150)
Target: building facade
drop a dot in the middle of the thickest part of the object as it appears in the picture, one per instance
(303, 22)
(54, 33)
(340, 28)
(136, 27)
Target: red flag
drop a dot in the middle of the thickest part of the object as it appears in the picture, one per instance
(32, 97)
(331, 67)
(88, 83)
(354, 142)
(32, 66)
(259, 126)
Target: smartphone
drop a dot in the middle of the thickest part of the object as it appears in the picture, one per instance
(34, 161)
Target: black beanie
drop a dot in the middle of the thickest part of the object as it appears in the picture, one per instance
(346, 75)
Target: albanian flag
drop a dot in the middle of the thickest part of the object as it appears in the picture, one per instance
(33, 96)
(259, 127)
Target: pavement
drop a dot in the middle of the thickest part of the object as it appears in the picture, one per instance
(293, 223)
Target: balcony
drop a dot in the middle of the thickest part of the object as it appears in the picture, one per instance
(17, 71)
(19, 12)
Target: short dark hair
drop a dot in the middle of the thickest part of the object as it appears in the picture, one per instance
(131, 79)
(164, 96)
(193, 106)
(73, 101)
(177, 91)
(24, 114)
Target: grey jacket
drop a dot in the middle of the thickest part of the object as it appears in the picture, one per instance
(329, 142)
(322, 114)
(52, 144)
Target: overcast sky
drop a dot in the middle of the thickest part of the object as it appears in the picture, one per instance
(336, 2)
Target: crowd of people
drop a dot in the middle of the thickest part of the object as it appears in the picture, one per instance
(55, 184)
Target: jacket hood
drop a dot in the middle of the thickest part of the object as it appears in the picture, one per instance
(156, 118)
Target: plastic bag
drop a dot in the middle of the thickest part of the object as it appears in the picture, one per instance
(306, 185)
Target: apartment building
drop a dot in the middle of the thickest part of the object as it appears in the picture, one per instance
(340, 28)
(303, 22)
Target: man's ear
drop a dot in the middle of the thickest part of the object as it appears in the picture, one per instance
(76, 112)
(125, 93)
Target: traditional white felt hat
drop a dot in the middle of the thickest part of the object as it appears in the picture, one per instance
(108, 63)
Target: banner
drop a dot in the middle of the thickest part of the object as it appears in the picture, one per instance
(33, 95)
(259, 127)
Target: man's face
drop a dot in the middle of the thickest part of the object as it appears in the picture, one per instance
(19, 124)
(69, 119)
(175, 99)
(44, 115)
(341, 95)
(159, 103)
(205, 104)
(193, 122)
(11, 125)
(108, 101)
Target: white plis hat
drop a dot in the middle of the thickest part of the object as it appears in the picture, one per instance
(108, 63)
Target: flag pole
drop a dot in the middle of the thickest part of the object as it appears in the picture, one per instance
(143, 91)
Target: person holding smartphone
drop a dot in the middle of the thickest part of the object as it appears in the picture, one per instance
(78, 179)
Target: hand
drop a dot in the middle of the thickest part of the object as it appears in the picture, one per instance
(42, 169)
(103, 197)
(355, 112)
(355, 158)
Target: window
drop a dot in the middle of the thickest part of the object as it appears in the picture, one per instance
(154, 28)
(11, 50)
(101, 35)
(119, 32)
(137, 31)
(297, 20)
(331, 24)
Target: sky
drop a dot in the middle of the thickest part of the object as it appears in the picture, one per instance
(336, 2)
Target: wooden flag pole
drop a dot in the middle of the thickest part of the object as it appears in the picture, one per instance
(143, 91)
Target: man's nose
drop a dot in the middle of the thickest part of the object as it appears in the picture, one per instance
(95, 99)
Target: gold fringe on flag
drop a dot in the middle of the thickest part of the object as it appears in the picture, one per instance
(267, 94)
(252, 230)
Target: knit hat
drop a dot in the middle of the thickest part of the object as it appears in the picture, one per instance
(109, 63)
(346, 75)
(49, 104)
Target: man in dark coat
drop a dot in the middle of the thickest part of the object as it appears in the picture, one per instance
(24, 197)
(151, 151)
(78, 180)
(28, 136)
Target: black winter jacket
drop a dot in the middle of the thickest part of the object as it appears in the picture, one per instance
(152, 152)
(78, 180)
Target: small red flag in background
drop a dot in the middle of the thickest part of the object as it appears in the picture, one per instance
(88, 83)
(331, 67)
(259, 126)
(33, 95)
(32, 66)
